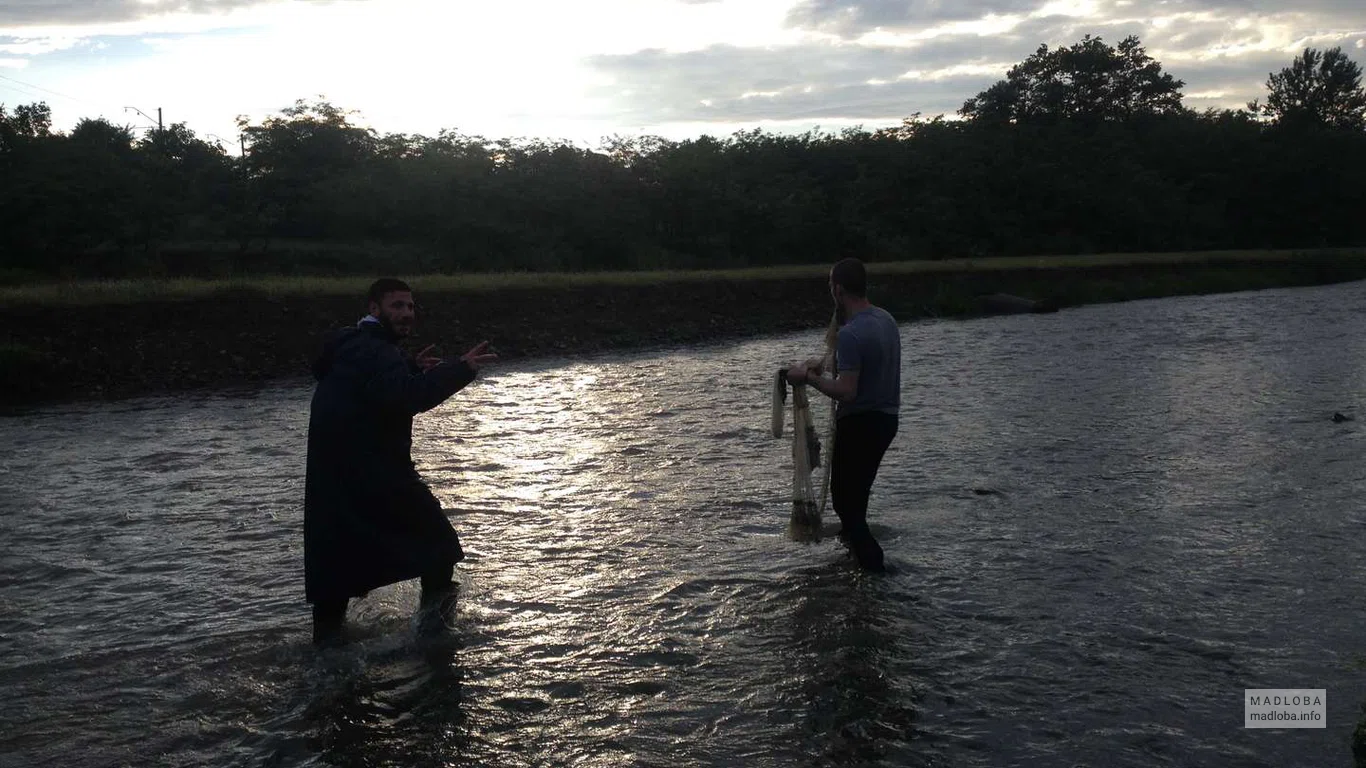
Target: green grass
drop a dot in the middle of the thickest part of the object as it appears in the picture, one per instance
(94, 292)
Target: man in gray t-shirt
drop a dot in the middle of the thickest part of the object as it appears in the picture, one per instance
(867, 388)
(869, 348)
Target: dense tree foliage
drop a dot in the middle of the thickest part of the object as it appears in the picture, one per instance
(1080, 149)
(1088, 81)
(1319, 89)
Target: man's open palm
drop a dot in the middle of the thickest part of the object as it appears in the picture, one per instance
(479, 356)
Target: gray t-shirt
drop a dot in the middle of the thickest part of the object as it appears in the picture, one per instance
(870, 343)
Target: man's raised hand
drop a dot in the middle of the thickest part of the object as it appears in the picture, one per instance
(478, 356)
(427, 361)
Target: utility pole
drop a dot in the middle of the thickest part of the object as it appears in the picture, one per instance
(241, 141)
(144, 114)
(149, 117)
(155, 216)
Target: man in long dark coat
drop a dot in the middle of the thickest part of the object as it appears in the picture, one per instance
(369, 519)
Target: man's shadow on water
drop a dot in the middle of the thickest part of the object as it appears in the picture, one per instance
(400, 706)
(858, 711)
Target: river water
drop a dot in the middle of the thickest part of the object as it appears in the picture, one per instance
(1103, 524)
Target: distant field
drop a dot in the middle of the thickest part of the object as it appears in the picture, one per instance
(137, 291)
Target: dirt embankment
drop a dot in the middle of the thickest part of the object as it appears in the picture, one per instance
(229, 340)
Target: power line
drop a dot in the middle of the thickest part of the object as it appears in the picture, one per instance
(22, 91)
(28, 88)
(49, 90)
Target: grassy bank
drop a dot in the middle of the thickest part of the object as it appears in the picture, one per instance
(89, 292)
(115, 339)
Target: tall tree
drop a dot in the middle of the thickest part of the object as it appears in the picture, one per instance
(290, 155)
(1089, 80)
(101, 133)
(308, 141)
(1318, 88)
(28, 121)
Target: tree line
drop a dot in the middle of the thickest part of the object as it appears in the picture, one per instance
(1084, 148)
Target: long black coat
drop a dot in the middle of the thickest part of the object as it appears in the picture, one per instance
(369, 519)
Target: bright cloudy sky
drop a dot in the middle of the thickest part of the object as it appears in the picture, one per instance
(583, 69)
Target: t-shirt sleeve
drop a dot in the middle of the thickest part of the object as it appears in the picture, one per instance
(847, 358)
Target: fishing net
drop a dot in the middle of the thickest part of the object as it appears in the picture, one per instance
(809, 451)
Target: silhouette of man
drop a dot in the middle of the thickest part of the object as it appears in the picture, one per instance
(369, 519)
(867, 390)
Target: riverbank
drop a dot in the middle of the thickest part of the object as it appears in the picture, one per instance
(114, 340)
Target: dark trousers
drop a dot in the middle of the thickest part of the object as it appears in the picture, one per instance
(861, 440)
(330, 615)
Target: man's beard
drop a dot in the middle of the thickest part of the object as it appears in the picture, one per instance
(389, 324)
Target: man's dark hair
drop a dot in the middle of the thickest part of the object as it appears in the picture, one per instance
(386, 285)
(850, 275)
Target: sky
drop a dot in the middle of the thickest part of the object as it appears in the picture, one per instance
(583, 70)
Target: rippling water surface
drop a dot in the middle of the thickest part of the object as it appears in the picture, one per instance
(1105, 524)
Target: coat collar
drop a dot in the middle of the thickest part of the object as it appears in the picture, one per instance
(371, 324)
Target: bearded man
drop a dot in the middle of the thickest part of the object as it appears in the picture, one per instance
(369, 518)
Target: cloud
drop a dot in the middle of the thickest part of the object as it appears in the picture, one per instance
(38, 47)
(20, 13)
(804, 82)
(852, 18)
(1224, 61)
(38, 29)
(1248, 7)
(661, 63)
